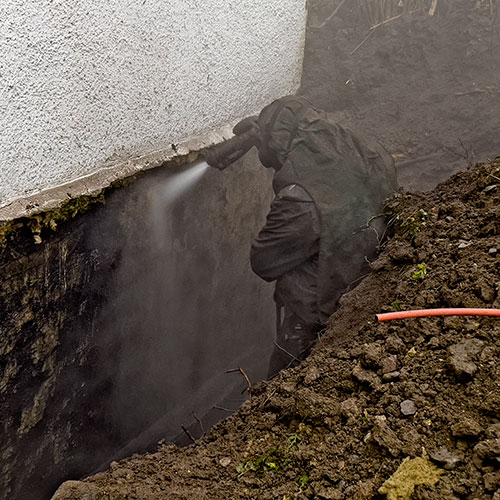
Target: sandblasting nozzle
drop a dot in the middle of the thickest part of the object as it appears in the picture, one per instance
(224, 154)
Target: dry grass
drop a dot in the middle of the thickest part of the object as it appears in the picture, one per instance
(374, 12)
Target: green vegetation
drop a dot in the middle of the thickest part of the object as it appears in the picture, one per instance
(277, 460)
(50, 219)
(274, 460)
(396, 305)
(37, 222)
(411, 353)
(412, 225)
(7, 229)
(303, 480)
(421, 273)
(67, 211)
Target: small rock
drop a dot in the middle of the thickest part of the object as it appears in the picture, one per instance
(394, 344)
(490, 403)
(401, 253)
(487, 293)
(366, 489)
(329, 493)
(488, 449)
(122, 472)
(464, 244)
(381, 263)
(366, 376)
(493, 431)
(390, 377)
(492, 481)
(389, 364)
(371, 355)
(493, 251)
(386, 438)
(249, 480)
(404, 373)
(489, 353)
(408, 408)
(466, 428)
(490, 188)
(433, 342)
(288, 387)
(312, 374)
(445, 458)
(460, 357)
(350, 408)
(477, 461)
(225, 461)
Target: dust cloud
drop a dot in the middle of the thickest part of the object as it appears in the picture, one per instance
(184, 304)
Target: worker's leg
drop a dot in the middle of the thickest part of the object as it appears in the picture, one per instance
(294, 341)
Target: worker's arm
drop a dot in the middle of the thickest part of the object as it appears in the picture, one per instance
(290, 236)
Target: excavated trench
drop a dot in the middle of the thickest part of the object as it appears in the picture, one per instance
(121, 325)
(125, 320)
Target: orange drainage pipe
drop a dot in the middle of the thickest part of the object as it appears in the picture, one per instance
(420, 313)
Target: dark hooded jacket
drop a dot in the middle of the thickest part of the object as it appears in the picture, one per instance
(347, 178)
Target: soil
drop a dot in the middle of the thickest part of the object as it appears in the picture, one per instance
(419, 396)
(423, 85)
(371, 394)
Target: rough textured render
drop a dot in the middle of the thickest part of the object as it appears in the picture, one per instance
(86, 84)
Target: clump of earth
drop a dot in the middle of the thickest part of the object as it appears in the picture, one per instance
(407, 409)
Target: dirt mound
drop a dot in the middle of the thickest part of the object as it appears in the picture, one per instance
(422, 84)
(406, 409)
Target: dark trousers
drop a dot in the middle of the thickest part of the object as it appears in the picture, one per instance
(294, 340)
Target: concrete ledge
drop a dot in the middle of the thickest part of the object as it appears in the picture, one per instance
(93, 184)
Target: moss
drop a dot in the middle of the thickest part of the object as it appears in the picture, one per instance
(67, 211)
(410, 473)
(50, 219)
(9, 228)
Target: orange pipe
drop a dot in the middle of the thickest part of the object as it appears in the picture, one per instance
(461, 311)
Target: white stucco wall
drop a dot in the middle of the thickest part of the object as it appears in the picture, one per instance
(86, 82)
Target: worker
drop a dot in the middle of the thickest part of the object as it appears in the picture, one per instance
(325, 221)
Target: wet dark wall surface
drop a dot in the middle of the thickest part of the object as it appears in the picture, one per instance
(118, 329)
(49, 401)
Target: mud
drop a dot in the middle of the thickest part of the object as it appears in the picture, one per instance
(372, 397)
